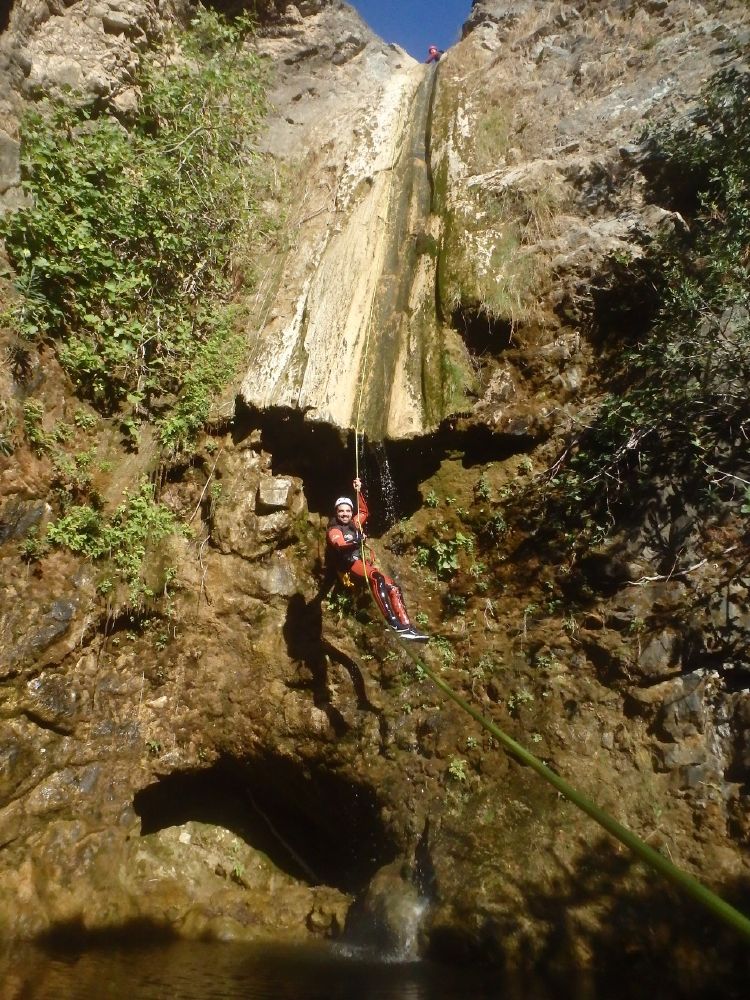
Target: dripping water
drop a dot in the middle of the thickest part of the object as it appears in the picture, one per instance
(380, 487)
(388, 494)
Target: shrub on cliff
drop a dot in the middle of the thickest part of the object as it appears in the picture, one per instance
(124, 542)
(124, 251)
(680, 403)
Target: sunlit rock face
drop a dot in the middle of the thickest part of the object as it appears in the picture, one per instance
(542, 183)
(249, 761)
(346, 328)
(77, 48)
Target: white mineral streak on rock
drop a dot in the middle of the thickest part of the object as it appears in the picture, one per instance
(313, 359)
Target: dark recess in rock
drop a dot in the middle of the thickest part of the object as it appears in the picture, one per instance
(625, 302)
(314, 825)
(323, 457)
(482, 333)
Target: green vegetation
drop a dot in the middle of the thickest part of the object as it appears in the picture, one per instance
(341, 602)
(126, 252)
(444, 647)
(492, 135)
(518, 699)
(495, 527)
(482, 490)
(679, 404)
(442, 555)
(457, 769)
(123, 540)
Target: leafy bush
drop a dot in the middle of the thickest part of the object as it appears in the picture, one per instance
(134, 529)
(124, 251)
(680, 401)
(442, 555)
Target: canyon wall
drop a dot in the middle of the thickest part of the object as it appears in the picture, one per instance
(242, 756)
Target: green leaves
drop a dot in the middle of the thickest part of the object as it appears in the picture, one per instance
(124, 539)
(123, 254)
(680, 403)
(442, 555)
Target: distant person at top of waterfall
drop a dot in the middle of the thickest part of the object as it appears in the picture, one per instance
(433, 54)
(344, 539)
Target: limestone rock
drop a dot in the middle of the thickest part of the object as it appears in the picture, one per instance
(350, 306)
(256, 511)
(235, 893)
(658, 657)
(10, 168)
(247, 681)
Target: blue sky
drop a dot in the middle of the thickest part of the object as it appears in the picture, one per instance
(416, 24)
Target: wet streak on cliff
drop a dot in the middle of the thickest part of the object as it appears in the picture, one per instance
(315, 825)
(408, 210)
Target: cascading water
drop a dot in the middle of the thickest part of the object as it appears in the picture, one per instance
(388, 919)
(388, 493)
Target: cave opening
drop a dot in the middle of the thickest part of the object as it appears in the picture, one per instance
(482, 333)
(314, 824)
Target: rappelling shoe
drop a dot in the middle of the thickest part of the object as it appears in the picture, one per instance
(412, 634)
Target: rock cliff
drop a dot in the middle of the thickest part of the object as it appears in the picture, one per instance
(240, 755)
(352, 301)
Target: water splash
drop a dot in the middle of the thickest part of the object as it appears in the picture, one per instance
(412, 913)
(387, 921)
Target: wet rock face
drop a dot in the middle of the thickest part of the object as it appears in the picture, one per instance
(244, 760)
(353, 302)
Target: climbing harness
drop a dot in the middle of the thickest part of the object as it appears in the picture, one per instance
(699, 892)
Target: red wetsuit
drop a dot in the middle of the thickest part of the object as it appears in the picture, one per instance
(345, 544)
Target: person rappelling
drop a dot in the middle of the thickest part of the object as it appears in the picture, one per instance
(433, 54)
(345, 538)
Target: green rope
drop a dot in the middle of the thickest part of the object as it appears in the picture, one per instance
(640, 848)
(648, 855)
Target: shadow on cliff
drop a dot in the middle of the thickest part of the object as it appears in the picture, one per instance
(653, 934)
(307, 642)
(324, 458)
(69, 935)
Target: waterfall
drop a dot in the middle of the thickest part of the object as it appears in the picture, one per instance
(354, 304)
(388, 919)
